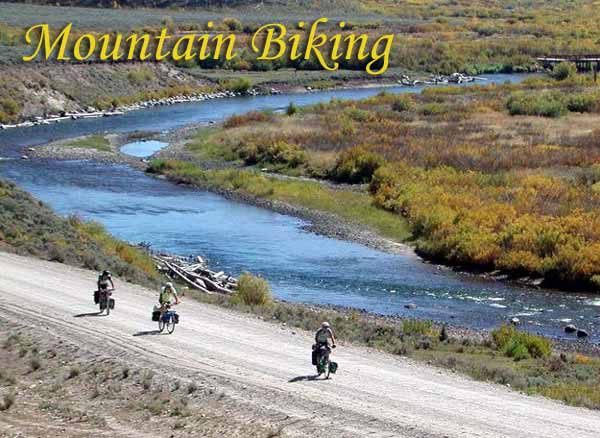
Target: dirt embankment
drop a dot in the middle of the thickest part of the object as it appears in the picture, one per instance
(27, 91)
(260, 372)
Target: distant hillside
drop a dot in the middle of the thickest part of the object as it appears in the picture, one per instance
(144, 3)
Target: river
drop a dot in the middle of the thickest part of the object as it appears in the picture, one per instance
(235, 237)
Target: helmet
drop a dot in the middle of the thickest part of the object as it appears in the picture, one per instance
(169, 284)
(106, 273)
(325, 325)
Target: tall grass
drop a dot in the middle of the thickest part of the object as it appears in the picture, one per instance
(98, 142)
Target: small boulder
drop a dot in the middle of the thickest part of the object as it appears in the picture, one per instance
(570, 328)
(24, 157)
(515, 321)
(410, 306)
(582, 333)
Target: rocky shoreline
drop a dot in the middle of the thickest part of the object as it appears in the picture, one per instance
(120, 110)
(263, 89)
(454, 330)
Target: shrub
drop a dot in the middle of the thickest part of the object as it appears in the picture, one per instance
(582, 102)
(402, 103)
(9, 110)
(434, 109)
(73, 372)
(9, 106)
(356, 165)
(238, 85)
(7, 401)
(252, 291)
(520, 345)
(233, 24)
(192, 387)
(251, 117)
(140, 76)
(146, 381)
(279, 152)
(564, 70)
(34, 363)
(536, 104)
(412, 327)
(358, 115)
(443, 334)
(291, 109)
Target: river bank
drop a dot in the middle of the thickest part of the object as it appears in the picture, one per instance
(319, 221)
(55, 94)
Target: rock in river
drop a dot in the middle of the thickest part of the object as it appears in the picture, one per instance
(570, 328)
(410, 306)
(582, 333)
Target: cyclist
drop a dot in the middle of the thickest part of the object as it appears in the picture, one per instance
(322, 337)
(104, 279)
(167, 293)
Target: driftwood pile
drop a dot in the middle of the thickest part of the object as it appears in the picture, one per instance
(194, 272)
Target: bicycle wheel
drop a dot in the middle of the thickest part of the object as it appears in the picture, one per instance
(161, 325)
(171, 325)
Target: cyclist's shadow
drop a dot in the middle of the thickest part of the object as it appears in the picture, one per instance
(304, 378)
(85, 315)
(147, 333)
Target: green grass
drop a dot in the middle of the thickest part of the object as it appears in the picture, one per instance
(206, 148)
(97, 142)
(350, 205)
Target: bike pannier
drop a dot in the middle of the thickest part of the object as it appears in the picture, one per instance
(314, 356)
(176, 319)
(156, 315)
(96, 297)
(111, 303)
(333, 367)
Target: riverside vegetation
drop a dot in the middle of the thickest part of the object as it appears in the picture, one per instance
(501, 177)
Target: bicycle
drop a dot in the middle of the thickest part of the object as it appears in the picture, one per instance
(324, 364)
(105, 300)
(169, 319)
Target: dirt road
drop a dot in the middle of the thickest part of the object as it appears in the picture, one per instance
(266, 367)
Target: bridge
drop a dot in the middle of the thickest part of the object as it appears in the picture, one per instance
(583, 62)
